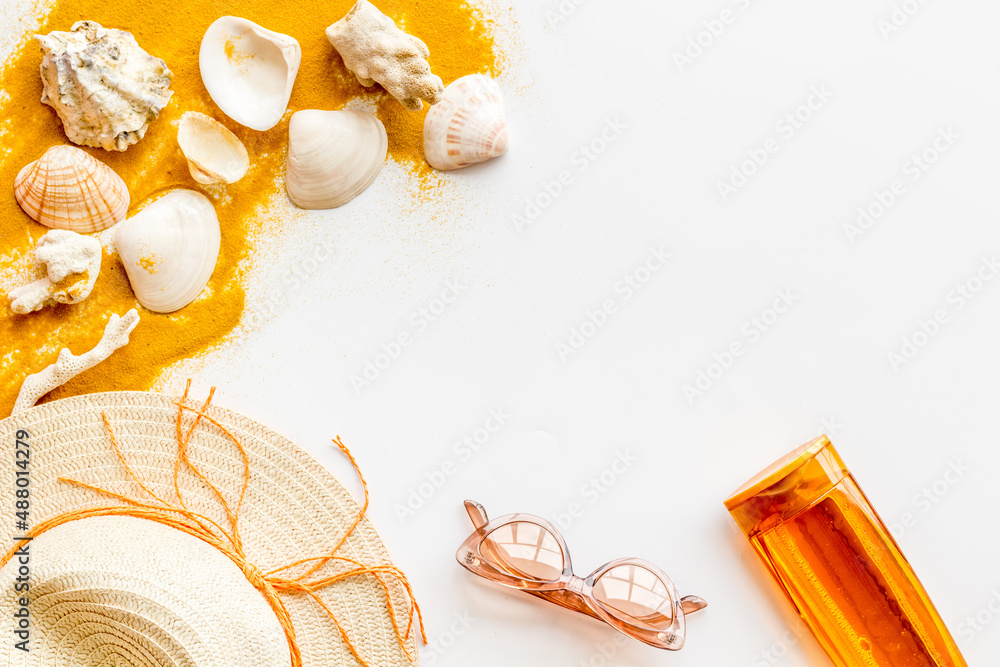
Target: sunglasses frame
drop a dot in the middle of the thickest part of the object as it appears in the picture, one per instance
(569, 590)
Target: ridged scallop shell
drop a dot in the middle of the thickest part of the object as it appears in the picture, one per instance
(467, 126)
(169, 249)
(333, 156)
(249, 70)
(68, 189)
(214, 154)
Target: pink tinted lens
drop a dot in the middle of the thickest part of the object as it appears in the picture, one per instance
(635, 595)
(525, 550)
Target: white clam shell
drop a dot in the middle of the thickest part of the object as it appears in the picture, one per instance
(68, 189)
(169, 249)
(249, 70)
(467, 126)
(214, 154)
(333, 156)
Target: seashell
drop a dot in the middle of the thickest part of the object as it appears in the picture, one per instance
(374, 49)
(467, 126)
(104, 87)
(69, 365)
(249, 71)
(68, 189)
(169, 249)
(333, 156)
(72, 263)
(214, 154)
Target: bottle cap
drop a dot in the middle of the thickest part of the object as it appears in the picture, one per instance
(787, 486)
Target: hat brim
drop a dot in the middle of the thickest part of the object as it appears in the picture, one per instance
(293, 509)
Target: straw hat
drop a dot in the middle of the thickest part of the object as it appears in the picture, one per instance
(123, 588)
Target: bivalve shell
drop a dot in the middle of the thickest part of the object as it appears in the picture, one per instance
(468, 125)
(249, 70)
(333, 156)
(214, 154)
(169, 249)
(66, 188)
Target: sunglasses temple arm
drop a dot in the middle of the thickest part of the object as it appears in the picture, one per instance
(692, 603)
(477, 513)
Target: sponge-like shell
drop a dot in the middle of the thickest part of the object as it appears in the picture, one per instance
(66, 188)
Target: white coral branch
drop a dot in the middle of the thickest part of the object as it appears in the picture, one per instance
(69, 366)
(374, 49)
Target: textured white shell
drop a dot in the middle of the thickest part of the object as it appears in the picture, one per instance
(467, 126)
(249, 71)
(169, 249)
(214, 154)
(333, 156)
(72, 263)
(374, 49)
(68, 189)
(104, 87)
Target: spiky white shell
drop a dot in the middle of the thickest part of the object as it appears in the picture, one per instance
(333, 156)
(104, 87)
(169, 249)
(468, 125)
(214, 154)
(249, 70)
(68, 189)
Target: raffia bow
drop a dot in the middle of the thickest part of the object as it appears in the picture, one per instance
(272, 583)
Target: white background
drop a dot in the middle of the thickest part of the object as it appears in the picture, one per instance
(331, 290)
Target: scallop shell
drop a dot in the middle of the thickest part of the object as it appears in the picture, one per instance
(169, 249)
(467, 126)
(249, 71)
(333, 156)
(214, 154)
(68, 189)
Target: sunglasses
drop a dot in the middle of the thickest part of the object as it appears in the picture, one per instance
(526, 552)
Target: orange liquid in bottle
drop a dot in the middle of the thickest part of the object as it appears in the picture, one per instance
(837, 563)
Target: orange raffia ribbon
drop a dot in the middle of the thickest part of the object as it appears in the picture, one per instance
(271, 584)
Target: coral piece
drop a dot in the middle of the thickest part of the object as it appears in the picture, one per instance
(249, 70)
(214, 154)
(333, 156)
(375, 50)
(69, 365)
(68, 189)
(468, 126)
(104, 87)
(169, 249)
(72, 262)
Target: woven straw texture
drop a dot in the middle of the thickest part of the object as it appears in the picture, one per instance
(115, 591)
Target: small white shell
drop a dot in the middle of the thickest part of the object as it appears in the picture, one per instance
(467, 126)
(333, 156)
(249, 71)
(68, 189)
(169, 249)
(214, 154)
